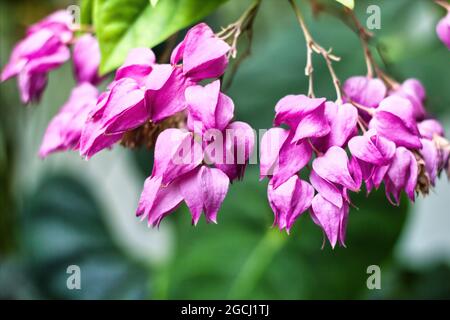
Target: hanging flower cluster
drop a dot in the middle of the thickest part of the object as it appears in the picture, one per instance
(45, 48)
(398, 145)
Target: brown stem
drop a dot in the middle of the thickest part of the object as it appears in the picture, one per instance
(313, 46)
(443, 4)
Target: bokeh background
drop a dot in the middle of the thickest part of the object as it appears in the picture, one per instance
(65, 211)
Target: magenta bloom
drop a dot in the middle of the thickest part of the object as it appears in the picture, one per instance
(281, 158)
(372, 152)
(203, 55)
(64, 131)
(145, 91)
(401, 175)
(335, 167)
(342, 120)
(443, 30)
(365, 91)
(394, 120)
(86, 59)
(194, 166)
(121, 108)
(414, 91)
(289, 201)
(332, 219)
(43, 49)
(305, 116)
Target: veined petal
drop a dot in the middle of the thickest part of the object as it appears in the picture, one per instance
(330, 218)
(86, 59)
(366, 91)
(292, 158)
(204, 55)
(290, 109)
(289, 201)
(176, 153)
(334, 167)
(138, 65)
(270, 146)
(326, 189)
(165, 92)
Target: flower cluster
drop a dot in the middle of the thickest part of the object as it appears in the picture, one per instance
(45, 48)
(398, 145)
(196, 165)
(144, 91)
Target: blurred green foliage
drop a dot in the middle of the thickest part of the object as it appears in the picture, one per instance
(59, 222)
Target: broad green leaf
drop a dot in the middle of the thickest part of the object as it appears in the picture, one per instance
(125, 24)
(348, 3)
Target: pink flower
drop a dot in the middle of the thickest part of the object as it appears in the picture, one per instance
(43, 49)
(121, 108)
(181, 170)
(281, 158)
(203, 55)
(372, 152)
(335, 167)
(401, 175)
(394, 120)
(86, 59)
(365, 91)
(289, 201)
(64, 131)
(342, 120)
(414, 91)
(443, 30)
(332, 219)
(305, 116)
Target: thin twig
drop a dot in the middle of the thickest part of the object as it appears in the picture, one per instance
(313, 46)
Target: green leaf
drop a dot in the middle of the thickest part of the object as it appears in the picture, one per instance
(125, 24)
(86, 11)
(348, 3)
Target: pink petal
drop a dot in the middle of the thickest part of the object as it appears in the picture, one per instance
(334, 167)
(64, 131)
(430, 155)
(326, 189)
(430, 127)
(330, 218)
(372, 148)
(289, 201)
(238, 149)
(215, 187)
(86, 59)
(138, 65)
(443, 30)
(365, 91)
(208, 106)
(176, 153)
(290, 109)
(204, 55)
(157, 201)
(312, 125)
(165, 92)
(292, 158)
(270, 145)
(394, 128)
(343, 120)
